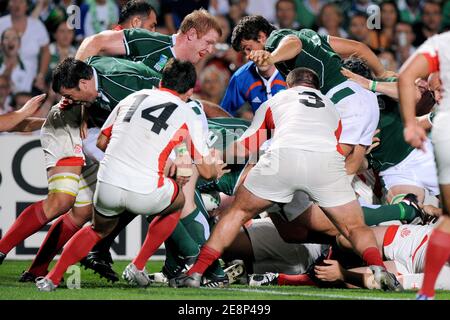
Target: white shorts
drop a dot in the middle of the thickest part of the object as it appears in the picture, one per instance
(86, 186)
(279, 173)
(359, 113)
(290, 211)
(110, 201)
(406, 244)
(272, 254)
(414, 281)
(61, 139)
(417, 169)
(441, 141)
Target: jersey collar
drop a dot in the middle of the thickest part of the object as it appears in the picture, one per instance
(174, 40)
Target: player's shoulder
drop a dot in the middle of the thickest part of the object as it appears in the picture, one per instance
(245, 71)
(144, 33)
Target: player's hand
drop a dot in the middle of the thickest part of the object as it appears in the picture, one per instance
(415, 135)
(375, 142)
(261, 57)
(33, 104)
(331, 271)
(363, 82)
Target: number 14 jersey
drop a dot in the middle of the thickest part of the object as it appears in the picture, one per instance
(143, 130)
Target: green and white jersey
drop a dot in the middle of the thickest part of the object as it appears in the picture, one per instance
(152, 48)
(316, 54)
(223, 132)
(116, 79)
(392, 149)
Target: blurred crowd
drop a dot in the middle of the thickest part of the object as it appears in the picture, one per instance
(35, 35)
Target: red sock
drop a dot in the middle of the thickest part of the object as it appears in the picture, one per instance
(437, 254)
(295, 280)
(372, 257)
(60, 232)
(29, 221)
(158, 231)
(76, 249)
(206, 257)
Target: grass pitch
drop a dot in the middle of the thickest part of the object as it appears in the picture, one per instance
(94, 288)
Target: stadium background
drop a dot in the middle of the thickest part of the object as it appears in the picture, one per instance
(403, 26)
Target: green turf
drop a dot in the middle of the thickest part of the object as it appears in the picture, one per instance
(92, 288)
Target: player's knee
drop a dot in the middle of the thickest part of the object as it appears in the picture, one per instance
(62, 192)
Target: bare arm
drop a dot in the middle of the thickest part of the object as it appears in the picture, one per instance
(102, 141)
(355, 159)
(9, 120)
(213, 110)
(105, 43)
(28, 125)
(346, 48)
(415, 67)
(388, 88)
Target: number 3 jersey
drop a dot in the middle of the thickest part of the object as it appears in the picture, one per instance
(297, 118)
(143, 130)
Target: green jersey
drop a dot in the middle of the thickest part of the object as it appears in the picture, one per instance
(116, 79)
(152, 48)
(392, 149)
(316, 54)
(223, 132)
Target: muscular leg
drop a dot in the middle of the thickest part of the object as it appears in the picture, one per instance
(80, 245)
(438, 250)
(40, 213)
(60, 232)
(245, 207)
(405, 189)
(348, 219)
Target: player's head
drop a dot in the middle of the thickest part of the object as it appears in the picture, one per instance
(251, 33)
(179, 76)
(74, 79)
(138, 14)
(199, 31)
(358, 66)
(303, 77)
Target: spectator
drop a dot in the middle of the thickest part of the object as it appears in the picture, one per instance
(330, 21)
(404, 38)
(359, 6)
(236, 13)
(264, 8)
(50, 13)
(409, 11)
(307, 12)
(387, 59)
(174, 11)
(360, 32)
(225, 55)
(10, 65)
(5, 98)
(430, 22)
(286, 12)
(389, 18)
(34, 51)
(219, 7)
(61, 48)
(101, 15)
(213, 82)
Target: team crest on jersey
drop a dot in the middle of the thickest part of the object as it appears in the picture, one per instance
(405, 232)
(77, 149)
(161, 63)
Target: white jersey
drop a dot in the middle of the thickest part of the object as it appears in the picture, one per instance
(297, 118)
(407, 245)
(437, 51)
(143, 129)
